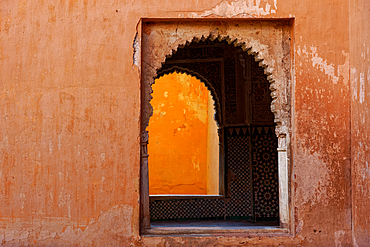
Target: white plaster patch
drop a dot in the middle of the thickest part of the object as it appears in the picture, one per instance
(315, 179)
(355, 242)
(322, 64)
(362, 88)
(343, 69)
(366, 171)
(45, 234)
(116, 221)
(102, 157)
(2, 237)
(22, 197)
(354, 86)
(338, 234)
(59, 142)
(246, 7)
(299, 50)
(368, 78)
(51, 147)
(137, 54)
(4, 141)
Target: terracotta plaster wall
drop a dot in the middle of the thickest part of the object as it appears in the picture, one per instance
(321, 150)
(69, 117)
(360, 117)
(70, 121)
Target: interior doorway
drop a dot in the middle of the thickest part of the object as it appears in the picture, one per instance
(183, 149)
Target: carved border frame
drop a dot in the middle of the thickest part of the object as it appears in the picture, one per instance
(269, 41)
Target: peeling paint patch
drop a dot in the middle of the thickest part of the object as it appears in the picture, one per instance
(112, 228)
(362, 88)
(322, 64)
(115, 221)
(247, 7)
(368, 77)
(354, 87)
(136, 56)
(315, 179)
(51, 147)
(338, 235)
(366, 171)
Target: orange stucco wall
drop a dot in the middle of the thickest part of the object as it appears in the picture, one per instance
(178, 136)
(360, 119)
(70, 107)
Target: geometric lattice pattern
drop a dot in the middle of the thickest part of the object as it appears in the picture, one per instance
(265, 173)
(231, 114)
(238, 172)
(186, 209)
(261, 98)
(242, 143)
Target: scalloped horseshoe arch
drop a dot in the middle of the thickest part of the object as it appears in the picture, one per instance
(269, 43)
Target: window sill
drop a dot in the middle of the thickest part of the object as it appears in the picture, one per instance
(212, 227)
(215, 230)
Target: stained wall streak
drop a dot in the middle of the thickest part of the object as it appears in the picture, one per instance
(360, 116)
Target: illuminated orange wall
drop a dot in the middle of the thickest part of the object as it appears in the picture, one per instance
(178, 136)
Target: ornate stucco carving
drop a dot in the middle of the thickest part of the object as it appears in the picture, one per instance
(271, 50)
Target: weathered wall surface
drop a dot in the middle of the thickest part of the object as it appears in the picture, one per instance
(70, 117)
(321, 149)
(360, 116)
(69, 107)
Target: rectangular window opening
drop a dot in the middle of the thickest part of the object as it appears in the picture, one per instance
(215, 164)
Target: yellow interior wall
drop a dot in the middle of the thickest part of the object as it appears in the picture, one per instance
(178, 136)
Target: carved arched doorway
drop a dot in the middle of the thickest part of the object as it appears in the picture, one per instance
(248, 144)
